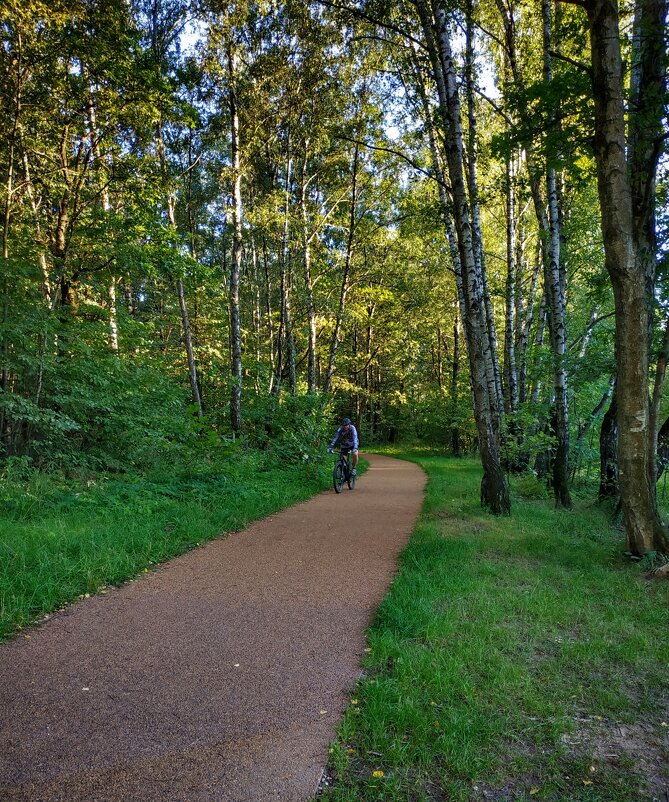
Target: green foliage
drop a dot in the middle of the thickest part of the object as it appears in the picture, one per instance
(291, 429)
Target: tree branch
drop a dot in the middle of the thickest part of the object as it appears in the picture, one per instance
(578, 64)
(498, 109)
(401, 155)
(356, 12)
(588, 329)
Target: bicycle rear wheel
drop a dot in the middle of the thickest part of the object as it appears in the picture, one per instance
(350, 478)
(338, 477)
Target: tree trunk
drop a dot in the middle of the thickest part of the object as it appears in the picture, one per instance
(526, 329)
(473, 188)
(554, 282)
(106, 208)
(308, 281)
(286, 281)
(662, 448)
(510, 372)
(494, 489)
(455, 430)
(235, 268)
(334, 342)
(623, 217)
(608, 451)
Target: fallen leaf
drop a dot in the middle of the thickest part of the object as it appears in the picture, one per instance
(377, 774)
(587, 782)
(534, 791)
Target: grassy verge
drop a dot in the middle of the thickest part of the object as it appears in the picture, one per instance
(514, 658)
(60, 540)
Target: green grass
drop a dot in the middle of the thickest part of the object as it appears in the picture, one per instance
(62, 540)
(515, 658)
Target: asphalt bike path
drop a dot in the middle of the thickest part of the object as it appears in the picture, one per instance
(220, 676)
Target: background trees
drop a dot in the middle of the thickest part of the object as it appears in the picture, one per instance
(228, 219)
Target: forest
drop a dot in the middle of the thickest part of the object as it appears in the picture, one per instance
(227, 224)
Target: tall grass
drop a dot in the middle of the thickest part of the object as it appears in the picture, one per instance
(60, 540)
(514, 659)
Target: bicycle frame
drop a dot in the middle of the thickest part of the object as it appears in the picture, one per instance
(342, 471)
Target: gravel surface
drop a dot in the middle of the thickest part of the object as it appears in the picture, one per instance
(223, 674)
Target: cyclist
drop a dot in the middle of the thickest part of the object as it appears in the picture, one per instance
(347, 435)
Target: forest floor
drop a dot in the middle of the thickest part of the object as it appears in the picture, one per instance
(220, 675)
(514, 659)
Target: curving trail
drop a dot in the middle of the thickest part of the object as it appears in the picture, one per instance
(222, 675)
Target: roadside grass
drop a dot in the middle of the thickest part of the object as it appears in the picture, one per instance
(61, 540)
(519, 658)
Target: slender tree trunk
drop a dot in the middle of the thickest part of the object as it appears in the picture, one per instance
(334, 342)
(7, 214)
(106, 208)
(660, 372)
(526, 329)
(510, 372)
(608, 451)
(623, 217)
(235, 268)
(662, 448)
(455, 374)
(584, 428)
(181, 293)
(554, 282)
(269, 318)
(308, 281)
(257, 315)
(286, 281)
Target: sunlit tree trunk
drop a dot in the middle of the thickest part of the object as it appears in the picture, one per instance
(473, 187)
(494, 489)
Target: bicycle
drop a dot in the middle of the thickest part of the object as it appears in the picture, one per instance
(342, 472)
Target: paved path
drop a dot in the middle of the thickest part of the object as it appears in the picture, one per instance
(220, 676)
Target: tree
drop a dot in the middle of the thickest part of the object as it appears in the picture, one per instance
(627, 147)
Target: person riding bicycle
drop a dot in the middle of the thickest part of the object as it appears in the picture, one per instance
(347, 435)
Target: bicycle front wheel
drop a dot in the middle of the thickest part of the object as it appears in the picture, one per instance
(338, 477)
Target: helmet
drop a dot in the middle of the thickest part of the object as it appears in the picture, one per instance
(346, 421)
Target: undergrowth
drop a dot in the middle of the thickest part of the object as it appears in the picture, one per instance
(62, 538)
(515, 658)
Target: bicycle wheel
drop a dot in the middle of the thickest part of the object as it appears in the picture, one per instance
(338, 477)
(350, 479)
